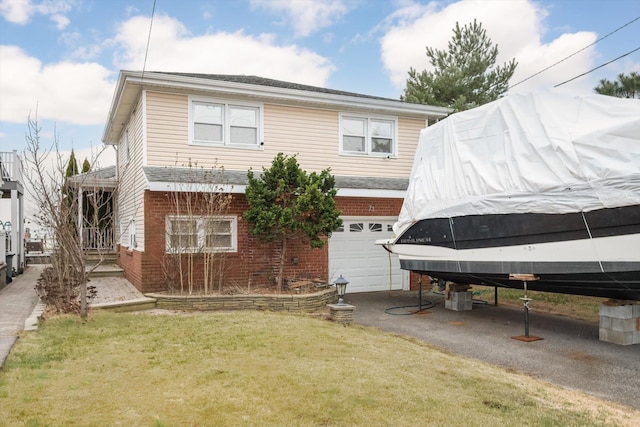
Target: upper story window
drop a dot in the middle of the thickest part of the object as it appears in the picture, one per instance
(374, 136)
(225, 123)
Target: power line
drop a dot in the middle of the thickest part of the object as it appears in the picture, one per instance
(144, 65)
(576, 52)
(599, 66)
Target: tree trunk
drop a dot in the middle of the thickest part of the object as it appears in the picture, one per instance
(283, 250)
(83, 297)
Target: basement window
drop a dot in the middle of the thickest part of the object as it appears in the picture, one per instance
(199, 234)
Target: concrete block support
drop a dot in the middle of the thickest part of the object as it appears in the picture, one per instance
(459, 301)
(620, 322)
(342, 313)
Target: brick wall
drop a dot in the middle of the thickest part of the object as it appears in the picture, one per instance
(129, 260)
(368, 206)
(254, 264)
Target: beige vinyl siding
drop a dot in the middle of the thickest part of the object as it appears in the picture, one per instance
(312, 134)
(132, 181)
(408, 136)
(167, 129)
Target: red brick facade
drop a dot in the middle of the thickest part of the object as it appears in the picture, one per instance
(254, 264)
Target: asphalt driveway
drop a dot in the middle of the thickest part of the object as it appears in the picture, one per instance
(570, 354)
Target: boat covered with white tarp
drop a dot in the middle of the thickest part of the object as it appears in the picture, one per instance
(541, 184)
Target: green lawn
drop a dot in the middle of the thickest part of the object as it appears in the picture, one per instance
(265, 369)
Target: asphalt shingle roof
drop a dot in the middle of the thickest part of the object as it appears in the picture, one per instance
(234, 177)
(262, 81)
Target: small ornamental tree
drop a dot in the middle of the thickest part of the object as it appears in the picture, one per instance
(287, 203)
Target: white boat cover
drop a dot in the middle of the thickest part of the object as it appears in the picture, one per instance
(542, 152)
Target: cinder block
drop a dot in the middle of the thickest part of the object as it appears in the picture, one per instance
(617, 311)
(605, 322)
(458, 305)
(617, 337)
(623, 325)
(461, 296)
(636, 310)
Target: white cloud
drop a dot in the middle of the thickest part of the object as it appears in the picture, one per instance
(516, 26)
(78, 93)
(173, 48)
(21, 11)
(60, 20)
(16, 11)
(306, 16)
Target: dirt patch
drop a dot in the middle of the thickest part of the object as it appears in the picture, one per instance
(582, 357)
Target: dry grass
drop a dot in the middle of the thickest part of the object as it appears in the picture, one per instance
(259, 368)
(574, 306)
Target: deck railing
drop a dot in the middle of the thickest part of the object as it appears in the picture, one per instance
(11, 166)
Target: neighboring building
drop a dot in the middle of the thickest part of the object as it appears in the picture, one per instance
(12, 243)
(162, 121)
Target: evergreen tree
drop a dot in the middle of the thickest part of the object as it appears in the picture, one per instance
(627, 86)
(86, 166)
(464, 76)
(72, 166)
(287, 203)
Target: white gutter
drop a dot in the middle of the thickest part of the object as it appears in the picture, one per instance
(240, 189)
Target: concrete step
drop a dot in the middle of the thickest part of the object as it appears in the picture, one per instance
(106, 270)
(106, 257)
(38, 258)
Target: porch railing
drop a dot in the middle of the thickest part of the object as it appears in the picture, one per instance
(11, 166)
(97, 238)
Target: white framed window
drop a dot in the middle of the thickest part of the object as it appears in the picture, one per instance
(201, 233)
(228, 123)
(128, 233)
(375, 136)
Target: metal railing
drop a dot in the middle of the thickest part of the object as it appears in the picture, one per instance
(11, 166)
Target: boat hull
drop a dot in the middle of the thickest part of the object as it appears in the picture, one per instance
(593, 253)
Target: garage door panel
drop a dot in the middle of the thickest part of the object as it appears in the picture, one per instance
(354, 255)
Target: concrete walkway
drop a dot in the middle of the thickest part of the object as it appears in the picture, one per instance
(17, 303)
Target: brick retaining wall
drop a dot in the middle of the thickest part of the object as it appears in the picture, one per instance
(291, 303)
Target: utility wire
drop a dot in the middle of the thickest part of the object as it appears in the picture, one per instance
(144, 65)
(599, 66)
(575, 53)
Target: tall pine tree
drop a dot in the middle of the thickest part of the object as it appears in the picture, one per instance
(627, 86)
(464, 76)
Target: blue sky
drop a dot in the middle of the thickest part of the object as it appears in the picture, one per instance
(63, 56)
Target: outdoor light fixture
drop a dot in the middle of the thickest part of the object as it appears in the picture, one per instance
(341, 286)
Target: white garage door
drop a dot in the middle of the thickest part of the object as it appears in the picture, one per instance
(367, 267)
